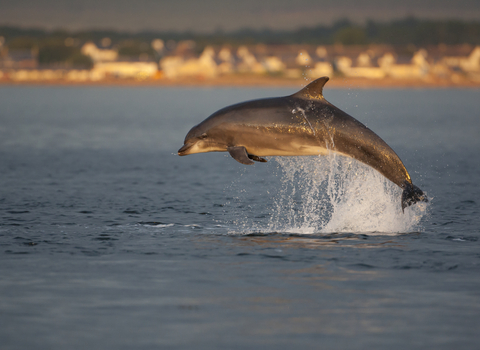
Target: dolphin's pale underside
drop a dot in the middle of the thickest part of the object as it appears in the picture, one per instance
(297, 125)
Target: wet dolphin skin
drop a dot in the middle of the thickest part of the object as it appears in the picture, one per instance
(297, 125)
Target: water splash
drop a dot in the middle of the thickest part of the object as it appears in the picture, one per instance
(328, 194)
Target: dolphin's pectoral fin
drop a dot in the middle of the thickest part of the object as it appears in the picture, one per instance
(257, 158)
(239, 153)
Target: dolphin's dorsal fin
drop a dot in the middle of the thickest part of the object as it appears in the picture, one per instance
(314, 90)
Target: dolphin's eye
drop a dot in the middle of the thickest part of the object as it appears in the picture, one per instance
(203, 136)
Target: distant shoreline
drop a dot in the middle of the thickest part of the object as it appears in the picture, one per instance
(255, 81)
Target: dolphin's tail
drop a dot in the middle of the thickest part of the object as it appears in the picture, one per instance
(411, 195)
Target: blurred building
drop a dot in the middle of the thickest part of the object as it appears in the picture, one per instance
(470, 63)
(97, 54)
(183, 60)
(18, 59)
(204, 66)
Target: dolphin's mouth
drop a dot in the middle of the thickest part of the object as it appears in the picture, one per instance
(185, 148)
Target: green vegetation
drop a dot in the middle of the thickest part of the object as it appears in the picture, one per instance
(135, 49)
(22, 43)
(408, 31)
(52, 53)
(350, 36)
(423, 32)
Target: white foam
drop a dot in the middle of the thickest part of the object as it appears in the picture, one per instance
(327, 194)
(159, 225)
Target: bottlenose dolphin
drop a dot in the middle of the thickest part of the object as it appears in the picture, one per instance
(297, 125)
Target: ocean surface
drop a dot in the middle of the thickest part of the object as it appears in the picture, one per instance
(109, 240)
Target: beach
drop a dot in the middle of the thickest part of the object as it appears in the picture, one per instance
(261, 81)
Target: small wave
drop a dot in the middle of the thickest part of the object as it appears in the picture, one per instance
(155, 224)
(195, 226)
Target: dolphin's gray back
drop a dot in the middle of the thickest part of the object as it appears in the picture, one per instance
(344, 134)
(283, 121)
(257, 112)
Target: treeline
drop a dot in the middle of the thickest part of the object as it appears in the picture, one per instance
(408, 31)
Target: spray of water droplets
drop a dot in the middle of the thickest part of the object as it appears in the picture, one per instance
(328, 194)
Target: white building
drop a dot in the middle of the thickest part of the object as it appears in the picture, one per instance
(470, 63)
(98, 55)
(204, 66)
(248, 62)
(418, 67)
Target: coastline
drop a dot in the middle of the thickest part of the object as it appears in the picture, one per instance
(256, 81)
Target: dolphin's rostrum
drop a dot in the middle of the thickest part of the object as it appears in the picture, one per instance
(297, 125)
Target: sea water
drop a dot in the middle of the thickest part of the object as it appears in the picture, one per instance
(108, 239)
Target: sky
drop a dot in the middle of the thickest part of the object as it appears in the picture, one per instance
(210, 15)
